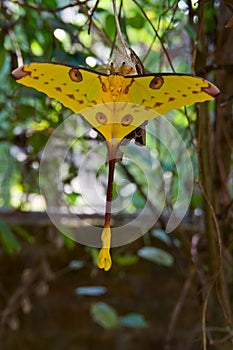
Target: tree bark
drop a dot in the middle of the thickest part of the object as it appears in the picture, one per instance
(215, 140)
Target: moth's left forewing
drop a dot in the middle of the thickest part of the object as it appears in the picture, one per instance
(164, 92)
(75, 88)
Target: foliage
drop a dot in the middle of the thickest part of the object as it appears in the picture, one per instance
(8, 239)
(104, 315)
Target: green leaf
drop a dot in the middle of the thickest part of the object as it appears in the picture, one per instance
(3, 56)
(162, 236)
(104, 315)
(51, 3)
(138, 201)
(72, 197)
(26, 111)
(37, 141)
(7, 172)
(8, 240)
(180, 119)
(114, 190)
(133, 320)
(136, 22)
(156, 255)
(126, 260)
(94, 252)
(110, 25)
(36, 48)
(24, 234)
(69, 243)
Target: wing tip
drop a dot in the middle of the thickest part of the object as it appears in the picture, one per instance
(211, 90)
(19, 73)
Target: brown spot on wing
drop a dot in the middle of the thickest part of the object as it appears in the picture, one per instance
(171, 99)
(158, 104)
(104, 87)
(58, 89)
(71, 96)
(126, 90)
(93, 102)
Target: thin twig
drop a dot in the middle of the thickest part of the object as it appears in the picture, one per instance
(203, 319)
(82, 7)
(131, 178)
(214, 217)
(178, 307)
(98, 30)
(218, 273)
(199, 33)
(91, 16)
(118, 28)
(117, 16)
(46, 9)
(157, 34)
(17, 48)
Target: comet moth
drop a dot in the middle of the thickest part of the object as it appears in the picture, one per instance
(100, 94)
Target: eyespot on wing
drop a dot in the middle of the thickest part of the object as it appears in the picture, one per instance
(75, 75)
(156, 82)
(101, 118)
(126, 120)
